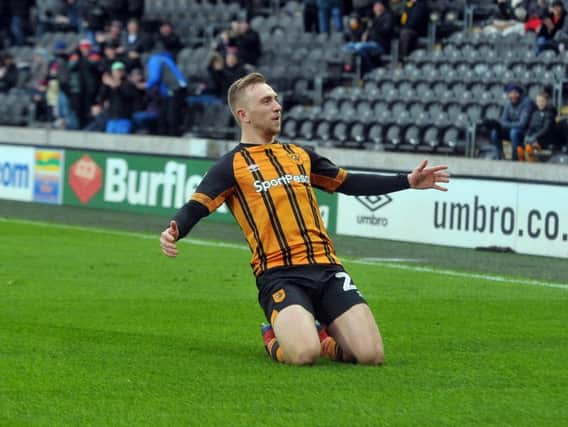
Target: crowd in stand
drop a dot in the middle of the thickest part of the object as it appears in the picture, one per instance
(530, 124)
(123, 77)
(545, 18)
(119, 78)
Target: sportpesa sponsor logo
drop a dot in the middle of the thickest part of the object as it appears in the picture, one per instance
(261, 186)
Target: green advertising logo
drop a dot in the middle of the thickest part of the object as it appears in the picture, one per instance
(146, 184)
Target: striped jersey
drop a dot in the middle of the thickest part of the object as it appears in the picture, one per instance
(269, 190)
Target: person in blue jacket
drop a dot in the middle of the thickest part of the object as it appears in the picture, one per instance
(514, 120)
(165, 75)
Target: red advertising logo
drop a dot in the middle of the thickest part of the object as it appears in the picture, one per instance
(85, 178)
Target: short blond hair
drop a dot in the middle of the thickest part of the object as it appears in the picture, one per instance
(238, 88)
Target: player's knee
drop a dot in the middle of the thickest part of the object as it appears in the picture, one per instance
(304, 356)
(371, 355)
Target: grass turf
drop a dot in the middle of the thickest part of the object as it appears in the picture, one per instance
(100, 329)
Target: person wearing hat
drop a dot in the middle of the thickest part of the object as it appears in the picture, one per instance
(514, 120)
(119, 94)
(84, 80)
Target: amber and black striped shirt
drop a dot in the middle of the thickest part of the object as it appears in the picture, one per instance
(269, 190)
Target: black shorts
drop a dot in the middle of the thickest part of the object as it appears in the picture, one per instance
(326, 291)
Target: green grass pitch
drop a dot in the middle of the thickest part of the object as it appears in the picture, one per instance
(98, 328)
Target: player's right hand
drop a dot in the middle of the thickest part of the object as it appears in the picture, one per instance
(168, 240)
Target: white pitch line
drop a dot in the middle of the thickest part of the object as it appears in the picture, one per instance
(487, 277)
(362, 261)
(383, 260)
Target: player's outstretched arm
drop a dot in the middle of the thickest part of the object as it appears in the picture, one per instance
(184, 220)
(423, 178)
(168, 240)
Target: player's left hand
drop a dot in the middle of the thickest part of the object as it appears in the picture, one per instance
(423, 178)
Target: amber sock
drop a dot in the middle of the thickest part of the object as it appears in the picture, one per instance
(329, 347)
(274, 351)
(271, 343)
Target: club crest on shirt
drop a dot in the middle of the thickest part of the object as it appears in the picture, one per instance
(279, 296)
(295, 158)
(254, 168)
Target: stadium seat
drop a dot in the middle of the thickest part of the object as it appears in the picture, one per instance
(430, 138)
(290, 128)
(393, 136)
(358, 134)
(340, 132)
(474, 113)
(307, 130)
(323, 132)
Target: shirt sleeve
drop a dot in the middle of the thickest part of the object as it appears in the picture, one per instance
(325, 175)
(363, 184)
(217, 185)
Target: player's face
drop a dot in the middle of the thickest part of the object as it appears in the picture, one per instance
(263, 109)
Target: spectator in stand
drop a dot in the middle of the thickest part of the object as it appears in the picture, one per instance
(234, 70)
(111, 37)
(168, 40)
(414, 24)
(61, 58)
(562, 37)
(541, 131)
(8, 73)
(517, 16)
(330, 10)
(39, 68)
(84, 80)
(60, 112)
(147, 105)
(217, 79)
(134, 43)
(117, 10)
(136, 9)
(99, 119)
(355, 30)
(52, 93)
(19, 12)
(222, 42)
(248, 43)
(377, 38)
(119, 95)
(110, 56)
(93, 20)
(165, 75)
(310, 15)
(397, 8)
(42, 114)
(551, 24)
(4, 35)
(364, 8)
(514, 121)
(509, 18)
(58, 15)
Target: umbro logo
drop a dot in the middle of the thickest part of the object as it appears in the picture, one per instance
(254, 168)
(374, 203)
